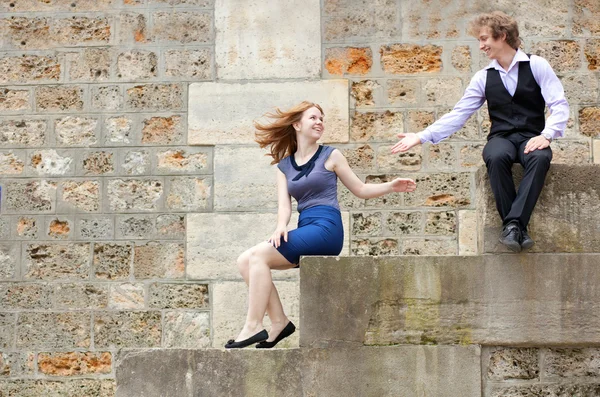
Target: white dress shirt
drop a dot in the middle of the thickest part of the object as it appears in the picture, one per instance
(474, 97)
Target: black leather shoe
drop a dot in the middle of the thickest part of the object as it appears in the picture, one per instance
(511, 237)
(289, 329)
(526, 241)
(259, 337)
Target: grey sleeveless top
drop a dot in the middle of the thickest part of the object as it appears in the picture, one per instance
(311, 184)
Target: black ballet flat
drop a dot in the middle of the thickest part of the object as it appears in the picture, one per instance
(289, 329)
(259, 337)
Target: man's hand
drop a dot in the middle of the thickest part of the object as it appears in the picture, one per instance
(406, 142)
(536, 143)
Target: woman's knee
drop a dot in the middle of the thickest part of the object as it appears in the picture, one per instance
(243, 262)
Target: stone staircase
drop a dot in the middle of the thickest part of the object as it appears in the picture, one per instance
(494, 324)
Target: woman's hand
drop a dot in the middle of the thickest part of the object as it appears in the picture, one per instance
(403, 185)
(275, 239)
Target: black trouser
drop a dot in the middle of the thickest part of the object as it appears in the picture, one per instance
(499, 154)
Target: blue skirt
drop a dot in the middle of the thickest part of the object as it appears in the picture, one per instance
(320, 232)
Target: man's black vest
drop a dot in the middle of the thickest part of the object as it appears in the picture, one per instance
(522, 112)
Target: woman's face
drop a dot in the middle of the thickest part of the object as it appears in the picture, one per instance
(311, 124)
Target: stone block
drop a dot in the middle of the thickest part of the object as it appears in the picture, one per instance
(374, 247)
(27, 133)
(363, 92)
(571, 363)
(127, 296)
(15, 296)
(467, 232)
(404, 223)
(376, 126)
(571, 152)
(553, 22)
(499, 300)
(197, 3)
(11, 163)
(86, 296)
(12, 100)
(135, 65)
(470, 131)
(387, 161)
(60, 227)
(69, 330)
(596, 149)
(585, 18)
(56, 261)
(178, 296)
(379, 21)
(441, 223)
(112, 261)
(107, 97)
(5, 228)
(59, 98)
(513, 363)
(441, 156)
(17, 364)
(133, 28)
(190, 64)
(246, 48)
(189, 194)
(80, 195)
(161, 97)
(418, 120)
(75, 363)
(170, 226)
(546, 390)
(134, 194)
(186, 330)
(162, 130)
(563, 55)
(221, 113)
(91, 64)
(182, 27)
(580, 88)
(135, 226)
(592, 53)
(470, 155)
(74, 387)
(136, 162)
(461, 58)
(7, 330)
(403, 92)
(29, 68)
(127, 329)
(428, 246)
(52, 163)
(411, 58)
(389, 200)
(340, 61)
(230, 303)
(441, 190)
(27, 228)
(95, 228)
(27, 33)
(98, 163)
(445, 91)
(434, 20)
(361, 158)
(159, 260)
(589, 121)
(366, 224)
(76, 131)
(78, 30)
(29, 196)
(183, 161)
(56, 5)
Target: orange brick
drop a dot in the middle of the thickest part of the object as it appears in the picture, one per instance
(74, 363)
(409, 58)
(349, 60)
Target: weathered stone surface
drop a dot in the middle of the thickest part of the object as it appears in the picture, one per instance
(183, 27)
(17, 364)
(178, 296)
(428, 246)
(196, 64)
(592, 53)
(27, 228)
(75, 363)
(572, 363)
(366, 224)
(112, 261)
(29, 68)
(189, 194)
(403, 92)
(392, 371)
(393, 162)
(362, 92)
(389, 200)
(107, 97)
(137, 65)
(60, 228)
(246, 48)
(29, 196)
(441, 156)
(418, 120)
(98, 163)
(348, 60)
(132, 28)
(445, 91)
(59, 98)
(498, 300)
(162, 97)
(68, 296)
(141, 329)
(28, 133)
(571, 152)
(361, 158)
(596, 149)
(461, 58)
(162, 130)
(74, 387)
(440, 223)
(76, 131)
(4, 228)
(563, 55)
(585, 18)
(513, 363)
(16, 296)
(557, 224)
(400, 223)
(183, 160)
(467, 232)
(91, 64)
(440, 190)
(230, 304)
(170, 226)
(589, 121)
(51, 163)
(136, 162)
(134, 194)
(374, 247)
(127, 296)
(68, 330)
(11, 164)
(56, 5)
(82, 195)
(56, 261)
(470, 155)
(7, 330)
(186, 330)
(159, 260)
(546, 390)
(433, 20)
(377, 22)
(580, 88)
(376, 126)
(221, 113)
(198, 3)
(14, 100)
(411, 58)
(137, 226)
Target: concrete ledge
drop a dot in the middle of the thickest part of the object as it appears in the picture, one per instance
(506, 300)
(344, 371)
(566, 217)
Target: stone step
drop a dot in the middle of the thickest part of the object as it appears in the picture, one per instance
(342, 371)
(504, 300)
(566, 217)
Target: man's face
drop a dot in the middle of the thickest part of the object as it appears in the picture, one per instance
(492, 47)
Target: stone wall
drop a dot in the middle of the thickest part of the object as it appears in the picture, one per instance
(130, 181)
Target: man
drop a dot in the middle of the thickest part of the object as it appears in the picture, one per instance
(517, 87)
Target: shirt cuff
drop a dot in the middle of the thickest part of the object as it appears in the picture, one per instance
(548, 135)
(424, 136)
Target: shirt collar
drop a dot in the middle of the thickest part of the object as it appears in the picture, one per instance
(520, 56)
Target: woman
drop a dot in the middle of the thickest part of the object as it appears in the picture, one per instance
(308, 172)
